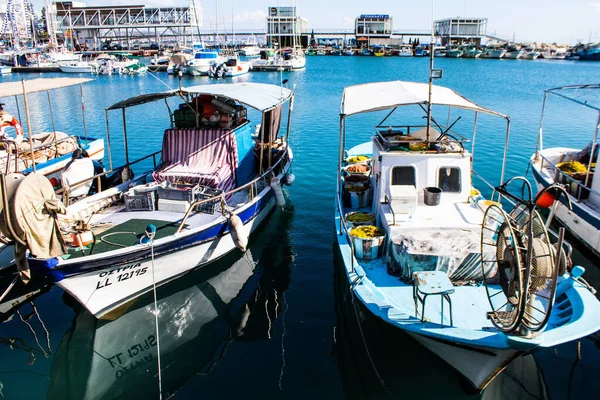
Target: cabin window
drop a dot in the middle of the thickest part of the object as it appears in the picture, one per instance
(449, 179)
(404, 175)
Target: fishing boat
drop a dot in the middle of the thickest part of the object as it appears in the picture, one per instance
(230, 68)
(285, 59)
(222, 303)
(378, 51)
(78, 67)
(573, 167)
(454, 52)
(405, 51)
(348, 51)
(45, 153)
(410, 226)
(471, 52)
(250, 48)
(321, 50)
(530, 54)
(217, 182)
(366, 52)
(493, 52)
(203, 60)
(513, 53)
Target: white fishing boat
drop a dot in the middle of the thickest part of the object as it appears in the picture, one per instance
(454, 52)
(216, 184)
(513, 53)
(178, 63)
(78, 67)
(411, 227)
(250, 48)
(471, 52)
(530, 54)
(63, 56)
(572, 166)
(493, 52)
(405, 51)
(230, 68)
(286, 59)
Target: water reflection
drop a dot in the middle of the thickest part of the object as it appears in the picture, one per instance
(200, 315)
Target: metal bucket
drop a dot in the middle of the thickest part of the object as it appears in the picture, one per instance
(350, 224)
(368, 248)
(432, 195)
(358, 197)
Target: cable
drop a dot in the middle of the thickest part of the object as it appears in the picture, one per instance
(150, 236)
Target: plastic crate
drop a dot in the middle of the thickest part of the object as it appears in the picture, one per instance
(209, 207)
(140, 201)
(182, 192)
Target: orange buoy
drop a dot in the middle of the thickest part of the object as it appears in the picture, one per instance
(545, 200)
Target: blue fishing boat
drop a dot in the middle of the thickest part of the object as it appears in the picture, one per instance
(218, 179)
(572, 167)
(411, 227)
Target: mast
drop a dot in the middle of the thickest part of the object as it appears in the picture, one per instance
(431, 52)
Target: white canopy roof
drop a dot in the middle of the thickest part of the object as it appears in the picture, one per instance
(384, 95)
(38, 85)
(260, 96)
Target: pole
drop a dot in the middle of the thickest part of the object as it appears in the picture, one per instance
(51, 115)
(28, 125)
(110, 165)
(431, 53)
(83, 112)
(125, 139)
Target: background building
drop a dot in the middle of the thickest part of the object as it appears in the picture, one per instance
(126, 26)
(461, 30)
(285, 27)
(373, 28)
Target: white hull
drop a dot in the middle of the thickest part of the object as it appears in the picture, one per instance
(242, 68)
(479, 366)
(513, 55)
(197, 70)
(530, 56)
(5, 70)
(104, 290)
(78, 69)
(278, 63)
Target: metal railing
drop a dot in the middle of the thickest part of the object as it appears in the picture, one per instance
(405, 130)
(252, 185)
(66, 190)
(580, 187)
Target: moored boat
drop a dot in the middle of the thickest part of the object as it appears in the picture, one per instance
(471, 52)
(513, 53)
(494, 294)
(406, 51)
(572, 167)
(214, 187)
(5, 70)
(78, 67)
(454, 52)
(286, 59)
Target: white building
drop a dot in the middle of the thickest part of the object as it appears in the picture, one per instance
(284, 26)
(373, 26)
(461, 30)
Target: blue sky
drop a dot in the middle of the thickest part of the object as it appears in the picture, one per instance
(549, 21)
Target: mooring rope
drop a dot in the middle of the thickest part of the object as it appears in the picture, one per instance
(150, 236)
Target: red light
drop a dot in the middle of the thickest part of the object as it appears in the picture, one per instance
(54, 182)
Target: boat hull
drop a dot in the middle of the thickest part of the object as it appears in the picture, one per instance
(77, 69)
(115, 281)
(478, 365)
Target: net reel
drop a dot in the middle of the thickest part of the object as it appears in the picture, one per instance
(520, 263)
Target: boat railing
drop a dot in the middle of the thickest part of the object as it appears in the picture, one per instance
(386, 135)
(251, 186)
(574, 187)
(66, 190)
(28, 151)
(344, 229)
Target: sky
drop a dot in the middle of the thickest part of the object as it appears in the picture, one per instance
(546, 21)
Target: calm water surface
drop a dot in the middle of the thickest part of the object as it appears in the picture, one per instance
(278, 322)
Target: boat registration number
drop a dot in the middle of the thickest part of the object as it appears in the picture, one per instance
(120, 274)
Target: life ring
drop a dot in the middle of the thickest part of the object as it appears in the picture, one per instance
(8, 120)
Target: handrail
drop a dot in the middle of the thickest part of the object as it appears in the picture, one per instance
(387, 200)
(571, 179)
(108, 172)
(249, 184)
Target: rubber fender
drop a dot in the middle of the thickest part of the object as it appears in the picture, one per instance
(289, 179)
(276, 186)
(236, 228)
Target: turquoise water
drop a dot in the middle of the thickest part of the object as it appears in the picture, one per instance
(289, 330)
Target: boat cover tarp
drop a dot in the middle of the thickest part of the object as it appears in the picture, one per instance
(8, 89)
(454, 251)
(384, 95)
(260, 96)
(201, 156)
(32, 210)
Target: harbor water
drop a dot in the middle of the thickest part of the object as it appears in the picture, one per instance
(279, 322)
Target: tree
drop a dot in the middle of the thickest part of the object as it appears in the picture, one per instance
(313, 42)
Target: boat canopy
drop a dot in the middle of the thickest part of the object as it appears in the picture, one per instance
(38, 85)
(384, 95)
(260, 96)
(586, 95)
